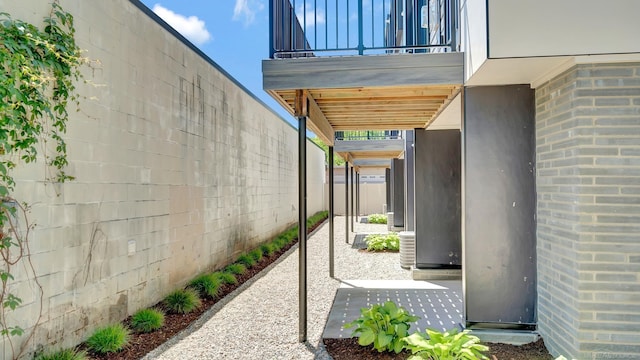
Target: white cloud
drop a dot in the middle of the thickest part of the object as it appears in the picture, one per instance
(246, 10)
(311, 18)
(190, 27)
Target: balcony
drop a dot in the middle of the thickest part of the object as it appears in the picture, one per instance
(371, 149)
(363, 65)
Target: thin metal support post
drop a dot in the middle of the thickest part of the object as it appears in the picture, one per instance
(331, 214)
(353, 228)
(357, 196)
(302, 226)
(360, 28)
(346, 201)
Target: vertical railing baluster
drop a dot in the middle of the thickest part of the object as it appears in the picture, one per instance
(293, 18)
(454, 25)
(373, 27)
(326, 25)
(360, 28)
(348, 40)
(271, 26)
(337, 31)
(315, 24)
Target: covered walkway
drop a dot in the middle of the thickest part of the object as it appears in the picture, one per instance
(259, 321)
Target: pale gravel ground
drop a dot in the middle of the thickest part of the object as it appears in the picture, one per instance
(261, 321)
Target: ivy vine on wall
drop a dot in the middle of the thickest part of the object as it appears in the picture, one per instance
(40, 66)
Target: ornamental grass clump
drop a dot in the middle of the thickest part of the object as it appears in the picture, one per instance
(246, 260)
(450, 345)
(206, 285)
(182, 301)
(267, 249)
(109, 339)
(256, 254)
(225, 277)
(383, 325)
(236, 269)
(147, 320)
(384, 242)
(66, 354)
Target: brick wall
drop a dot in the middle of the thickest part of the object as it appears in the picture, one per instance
(178, 170)
(588, 185)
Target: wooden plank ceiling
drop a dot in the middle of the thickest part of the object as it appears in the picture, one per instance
(375, 108)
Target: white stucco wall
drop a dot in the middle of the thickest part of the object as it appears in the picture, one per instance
(570, 27)
(178, 170)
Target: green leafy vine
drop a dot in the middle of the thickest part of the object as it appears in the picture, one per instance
(40, 67)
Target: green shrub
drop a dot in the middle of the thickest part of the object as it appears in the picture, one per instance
(67, 354)
(267, 249)
(384, 326)
(246, 260)
(236, 269)
(377, 219)
(147, 320)
(225, 277)
(206, 285)
(317, 217)
(450, 345)
(182, 301)
(256, 254)
(388, 242)
(108, 339)
(290, 235)
(279, 243)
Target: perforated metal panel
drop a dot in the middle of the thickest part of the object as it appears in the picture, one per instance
(440, 309)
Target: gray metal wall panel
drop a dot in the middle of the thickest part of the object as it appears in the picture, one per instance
(409, 172)
(387, 177)
(437, 192)
(397, 175)
(500, 203)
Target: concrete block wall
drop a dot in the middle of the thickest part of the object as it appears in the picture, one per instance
(588, 185)
(178, 170)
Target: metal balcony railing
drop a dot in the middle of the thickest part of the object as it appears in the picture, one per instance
(302, 28)
(369, 135)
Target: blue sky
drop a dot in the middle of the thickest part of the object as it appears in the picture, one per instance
(234, 33)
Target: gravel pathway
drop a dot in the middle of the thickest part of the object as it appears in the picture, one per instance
(261, 320)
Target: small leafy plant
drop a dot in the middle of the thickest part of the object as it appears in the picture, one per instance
(236, 269)
(109, 339)
(147, 320)
(377, 219)
(450, 345)
(182, 301)
(383, 325)
(66, 354)
(384, 242)
(206, 285)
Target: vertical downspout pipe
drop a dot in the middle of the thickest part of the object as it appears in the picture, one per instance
(302, 227)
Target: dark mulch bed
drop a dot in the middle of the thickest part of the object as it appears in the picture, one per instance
(348, 349)
(141, 344)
